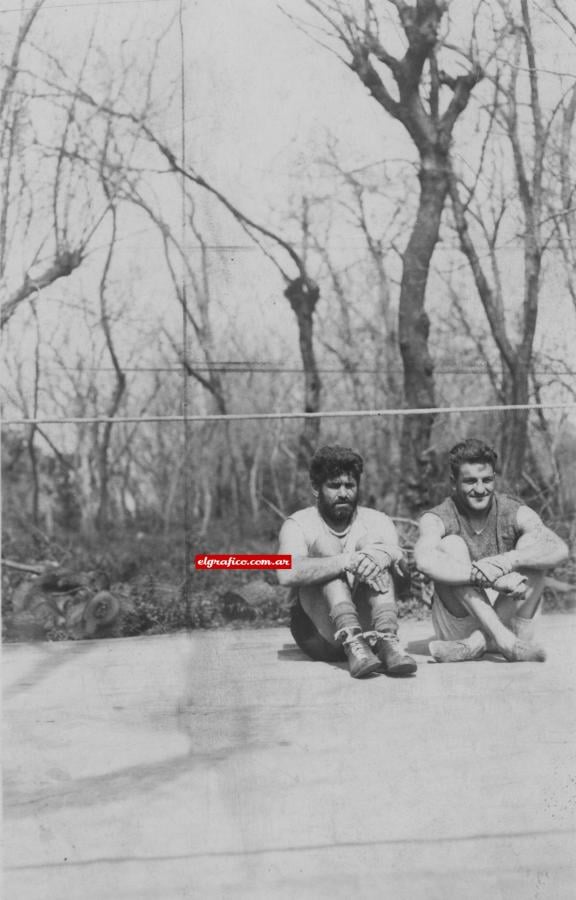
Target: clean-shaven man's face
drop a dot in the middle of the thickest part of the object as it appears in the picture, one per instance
(337, 499)
(474, 486)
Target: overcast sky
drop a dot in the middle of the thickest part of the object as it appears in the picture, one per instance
(261, 99)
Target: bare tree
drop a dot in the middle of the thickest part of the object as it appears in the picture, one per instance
(359, 325)
(301, 289)
(302, 293)
(482, 222)
(410, 88)
(29, 192)
(565, 218)
(119, 386)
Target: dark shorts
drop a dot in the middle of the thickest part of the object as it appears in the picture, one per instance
(310, 640)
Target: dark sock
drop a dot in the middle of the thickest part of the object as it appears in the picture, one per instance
(344, 615)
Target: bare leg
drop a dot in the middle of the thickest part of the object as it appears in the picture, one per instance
(462, 600)
(334, 605)
(330, 606)
(334, 613)
(519, 612)
(377, 609)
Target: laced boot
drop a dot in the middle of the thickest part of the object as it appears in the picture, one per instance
(392, 658)
(361, 660)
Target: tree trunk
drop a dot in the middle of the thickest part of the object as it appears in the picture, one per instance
(514, 428)
(413, 330)
(35, 477)
(85, 480)
(515, 436)
(303, 295)
(415, 103)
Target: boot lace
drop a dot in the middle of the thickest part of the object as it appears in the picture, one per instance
(355, 641)
(373, 637)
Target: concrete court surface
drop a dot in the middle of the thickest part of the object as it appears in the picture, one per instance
(226, 764)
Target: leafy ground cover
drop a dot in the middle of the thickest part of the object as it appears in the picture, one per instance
(157, 593)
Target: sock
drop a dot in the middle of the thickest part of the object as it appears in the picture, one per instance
(344, 615)
(384, 616)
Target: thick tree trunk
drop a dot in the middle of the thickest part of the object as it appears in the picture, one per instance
(413, 333)
(514, 428)
(303, 295)
(35, 478)
(517, 381)
(420, 86)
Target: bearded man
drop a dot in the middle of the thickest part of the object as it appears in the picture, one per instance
(343, 596)
(479, 545)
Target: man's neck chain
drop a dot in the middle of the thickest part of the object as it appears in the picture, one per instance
(483, 526)
(339, 534)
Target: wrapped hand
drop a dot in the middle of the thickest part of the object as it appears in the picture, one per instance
(488, 570)
(365, 568)
(513, 584)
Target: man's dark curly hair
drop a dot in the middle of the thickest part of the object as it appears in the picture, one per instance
(471, 451)
(333, 461)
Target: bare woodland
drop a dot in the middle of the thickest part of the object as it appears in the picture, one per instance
(440, 276)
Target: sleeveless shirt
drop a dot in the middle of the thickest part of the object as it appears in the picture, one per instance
(499, 534)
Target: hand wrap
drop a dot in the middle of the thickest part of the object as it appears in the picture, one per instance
(488, 570)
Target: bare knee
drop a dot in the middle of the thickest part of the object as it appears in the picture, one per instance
(336, 591)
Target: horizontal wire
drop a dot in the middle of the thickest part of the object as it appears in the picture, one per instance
(336, 414)
(72, 5)
(264, 368)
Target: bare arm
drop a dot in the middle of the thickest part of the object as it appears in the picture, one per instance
(430, 557)
(377, 552)
(384, 546)
(537, 548)
(307, 569)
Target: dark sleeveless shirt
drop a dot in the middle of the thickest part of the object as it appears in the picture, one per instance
(499, 535)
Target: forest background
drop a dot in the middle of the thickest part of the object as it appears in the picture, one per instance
(231, 209)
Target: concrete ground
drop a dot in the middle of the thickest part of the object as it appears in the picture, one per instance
(225, 764)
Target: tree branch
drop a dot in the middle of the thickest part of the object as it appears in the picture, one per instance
(494, 314)
(62, 266)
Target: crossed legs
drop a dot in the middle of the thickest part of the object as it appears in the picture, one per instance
(468, 625)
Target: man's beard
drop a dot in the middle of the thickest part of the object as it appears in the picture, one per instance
(339, 514)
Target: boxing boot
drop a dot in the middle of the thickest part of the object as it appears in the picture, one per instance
(361, 661)
(393, 660)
